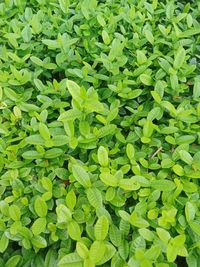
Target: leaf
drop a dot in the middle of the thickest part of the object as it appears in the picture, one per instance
(141, 57)
(146, 234)
(102, 156)
(81, 175)
(74, 90)
(31, 154)
(44, 131)
(149, 36)
(130, 151)
(74, 230)
(196, 88)
(186, 157)
(163, 185)
(51, 258)
(64, 4)
(39, 242)
(82, 250)
(71, 199)
(189, 211)
(171, 253)
(70, 260)
(94, 197)
(53, 153)
(101, 20)
(39, 226)
(105, 37)
(129, 184)
(179, 58)
(109, 253)
(64, 214)
(146, 79)
(4, 241)
(163, 234)
(195, 227)
(26, 34)
(115, 235)
(40, 207)
(13, 261)
(108, 179)
(70, 115)
(35, 139)
(153, 253)
(36, 61)
(14, 213)
(97, 251)
(106, 130)
(101, 228)
(138, 221)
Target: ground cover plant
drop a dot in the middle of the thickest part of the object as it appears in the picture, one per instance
(99, 133)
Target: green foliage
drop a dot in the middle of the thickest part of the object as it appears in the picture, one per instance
(99, 133)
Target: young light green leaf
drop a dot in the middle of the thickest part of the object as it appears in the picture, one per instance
(38, 226)
(40, 207)
(74, 230)
(14, 212)
(81, 175)
(101, 228)
(102, 156)
(179, 58)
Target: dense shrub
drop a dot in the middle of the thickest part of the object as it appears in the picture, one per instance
(99, 133)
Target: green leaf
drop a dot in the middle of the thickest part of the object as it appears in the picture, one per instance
(81, 175)
(4, 241)
(146, 234)
(141, 57)
(53, 153)
(74, 90)
(40, 207)
(51, 258)
(189, 211)
(106, 130)
(39, 226)
(108, 179)
(102, 156)
(195, 226)
(109, 253)
(70, 260)
(14, 213)
(74, 230)
(163, 185)
(13, 261)
(70, 115)
(163, 234)
(64, 4)
(186, 157)
(179, 58)
(39, 241)
(105, 37)
(97, 251)
(94, 197)
(44, 131)
(146, 79)
(64, 214)
(149, 36)
(101, 228)
(31, 154)
(171, 253)
(26, 34)
(71, 199)
(82, 250)
(129, 184)
(196, 88)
